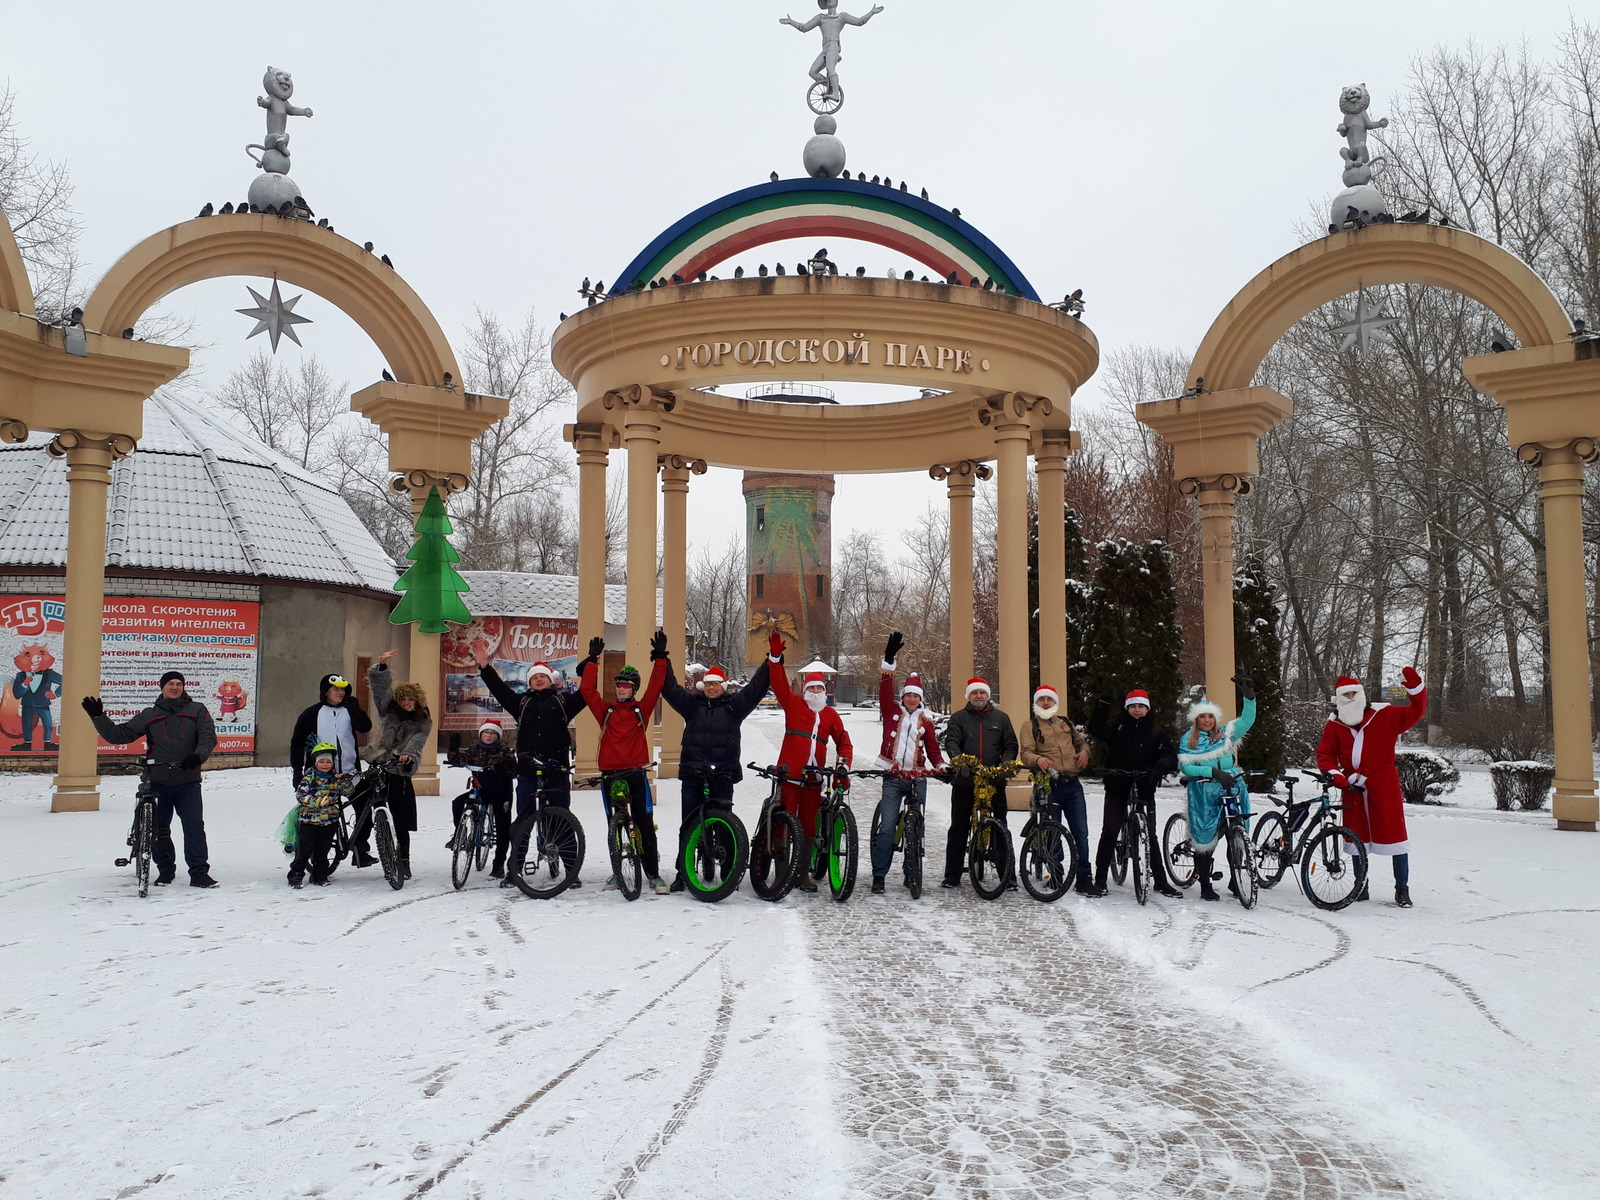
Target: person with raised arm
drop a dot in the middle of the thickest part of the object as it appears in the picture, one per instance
(910, 747)
(625, 741)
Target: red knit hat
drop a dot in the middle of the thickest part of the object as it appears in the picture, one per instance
(491, 723)
(714, 675)
(975, 682)
(1345, 681)
(913, 683)
(1137, 696)
(542, 668)
(1044, 689)
(811, 677)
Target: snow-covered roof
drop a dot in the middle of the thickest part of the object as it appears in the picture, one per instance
(523, 594)
(197, 496)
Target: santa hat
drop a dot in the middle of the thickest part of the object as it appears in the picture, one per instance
(811, 677)
(912, 684)
(1200, 708)
(714, 675)
(976, 684)
(542, 668)
(491, 723)
(1137, 696)
(1044, 689)
(1346, 682)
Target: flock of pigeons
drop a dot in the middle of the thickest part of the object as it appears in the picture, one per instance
(296, 210)
(1360, 219)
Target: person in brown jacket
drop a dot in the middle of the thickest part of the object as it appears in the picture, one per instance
(1051, 743)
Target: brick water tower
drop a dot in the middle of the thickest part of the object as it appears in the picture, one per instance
(789, 548)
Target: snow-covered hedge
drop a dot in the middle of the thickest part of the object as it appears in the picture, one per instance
(1425, 775)
(1521, 784)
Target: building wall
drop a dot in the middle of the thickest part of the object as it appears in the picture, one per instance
(789, 549)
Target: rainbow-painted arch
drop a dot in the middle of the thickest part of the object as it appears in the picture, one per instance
(791, 208)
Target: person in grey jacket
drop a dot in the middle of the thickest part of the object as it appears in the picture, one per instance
(404, 726)
(179, 736)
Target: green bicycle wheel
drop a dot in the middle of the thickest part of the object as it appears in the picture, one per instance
(844, 851)
(714, 856)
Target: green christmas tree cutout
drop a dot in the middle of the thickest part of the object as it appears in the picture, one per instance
(431, 585)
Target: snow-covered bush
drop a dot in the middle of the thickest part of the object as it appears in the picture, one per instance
(1425, 775)
(1523, 784)
(1502, 732)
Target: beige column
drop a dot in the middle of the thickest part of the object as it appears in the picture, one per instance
(1561, 492)
(1050, 466)
(641, 437)
(959, 480)
(89, 459)
(1215, 499)
(675, 472)
(1011, 451)
(592, 442)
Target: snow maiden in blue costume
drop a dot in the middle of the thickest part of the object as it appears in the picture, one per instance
(1208, 745)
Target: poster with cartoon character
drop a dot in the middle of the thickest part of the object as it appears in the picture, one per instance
(30, 706)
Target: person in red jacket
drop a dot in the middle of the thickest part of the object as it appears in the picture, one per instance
(910, 746)
(624, 741)
(1357, 749)
(808, 726)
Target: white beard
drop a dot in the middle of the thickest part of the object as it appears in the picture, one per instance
(815, 702)
(1351, 711)
(1044, 714)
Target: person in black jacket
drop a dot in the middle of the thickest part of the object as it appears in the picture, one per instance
(708, 765)
(179, 735)
(1134, 742)
(336, 718)
(983, 731)
(495, 765)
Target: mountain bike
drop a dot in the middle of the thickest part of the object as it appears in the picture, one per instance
(372, 787)
(623, 843)
(547, 842)
(1332, 859)
(836, 850)
(716, 853)
(1178, 852)
(1048, 861)
(989, 858)
(142, 834)
(775, 844)
(909, 830)
(476, 833)
(1128, 853)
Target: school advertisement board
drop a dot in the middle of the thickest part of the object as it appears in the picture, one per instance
(513, 644)
(215, 643)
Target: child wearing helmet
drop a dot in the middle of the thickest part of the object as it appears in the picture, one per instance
(320, 792)
(624, 740)
(1204, 751)
(495, 765)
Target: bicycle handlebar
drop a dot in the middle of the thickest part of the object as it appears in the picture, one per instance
(607, 776)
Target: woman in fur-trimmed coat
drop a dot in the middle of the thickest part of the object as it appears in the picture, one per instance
(1207, 746)
(404, 726)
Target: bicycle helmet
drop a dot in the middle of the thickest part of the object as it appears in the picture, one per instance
(322, 749)
(628, 675)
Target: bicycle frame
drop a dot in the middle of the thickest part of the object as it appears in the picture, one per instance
(142, 849)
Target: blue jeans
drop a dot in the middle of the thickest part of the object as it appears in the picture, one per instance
(895, 792)
(1067, 805)
(184, 799)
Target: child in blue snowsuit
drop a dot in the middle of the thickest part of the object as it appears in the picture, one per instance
(1207, 746)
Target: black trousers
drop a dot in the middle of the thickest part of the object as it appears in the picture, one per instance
(955, 842)
(402, 807)
(1119, 790)
(638, 793)
(700, 791)
(312, 844)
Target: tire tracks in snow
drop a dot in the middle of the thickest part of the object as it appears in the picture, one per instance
(562, 1076)
(1341, 948)
(1464, 988)
(1531, 912)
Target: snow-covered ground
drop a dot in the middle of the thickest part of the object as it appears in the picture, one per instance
(354, 1041)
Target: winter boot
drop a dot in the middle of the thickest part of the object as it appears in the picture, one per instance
(1202, 872)
(405, 868)
(202, 880)
(658, 885)
(165, 877)
(296, 879)
(808, 848)
(1087, 887)
(362, 857)
(1102, 872)
(1402, 897)
(677, 884)
(1363, 894)
(877, 885)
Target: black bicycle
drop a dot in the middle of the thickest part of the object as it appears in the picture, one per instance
(1048, 861)
(716, 853)
(836, 848)
(372, 790)
(142, 835)
(547, 842)
(1128, 855)
(775, 844)
(990, 862)
(623, 843)
(1177, 845)
(1332, 859)
(476, 833)
(909, 830)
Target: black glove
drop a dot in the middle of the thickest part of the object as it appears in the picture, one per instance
(658, 645)
(1106, 699)
(455, 743)
(1218, 775)
(892, 650)
(1247, 686)
(597, 647)
(191, 761)
(92, 706)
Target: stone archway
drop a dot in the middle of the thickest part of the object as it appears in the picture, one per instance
(1550, 389)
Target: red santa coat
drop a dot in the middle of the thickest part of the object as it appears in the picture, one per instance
(1375, 812)
(926, 754)
(805, 742)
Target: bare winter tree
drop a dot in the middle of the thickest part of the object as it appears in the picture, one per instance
(293, 410)
(36, 197)
(716, 605)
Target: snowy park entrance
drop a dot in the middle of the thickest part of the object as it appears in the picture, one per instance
(358, 1042)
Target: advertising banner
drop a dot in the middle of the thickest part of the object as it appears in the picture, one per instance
(214, 643)
(514, 644)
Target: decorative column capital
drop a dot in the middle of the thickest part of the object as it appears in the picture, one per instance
(677, 462)
(966, 471)
(420, 482)
(1221, 488)
(1052, 446)
(1005, 411)
(1584, 450)
(640, 397)
(118, 445)
(13, 431)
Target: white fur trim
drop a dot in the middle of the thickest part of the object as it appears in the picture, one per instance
(1389, 847)
(886, 665)
(1200, 708)
(912, 688)
(978, 687)
(1423, 686)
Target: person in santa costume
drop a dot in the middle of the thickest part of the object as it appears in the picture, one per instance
(1357, 749)
(910, 745)
(1138, 746)
(808, 725)
(983, 731)
(1208, 748)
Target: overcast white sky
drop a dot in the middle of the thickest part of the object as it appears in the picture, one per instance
(1155, 154)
